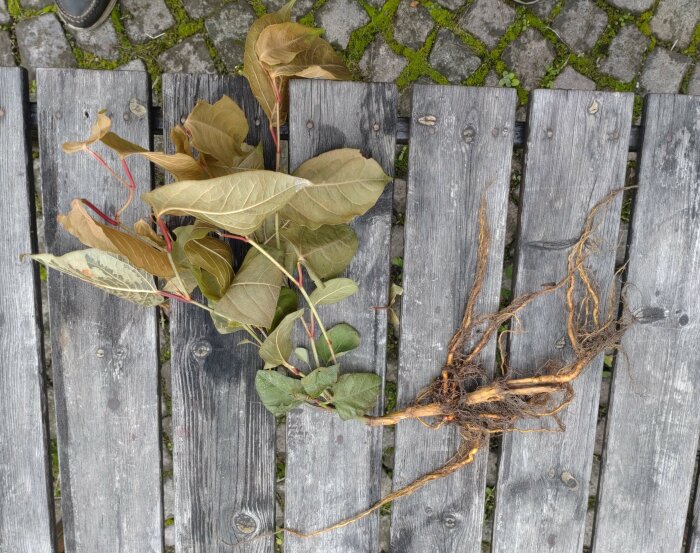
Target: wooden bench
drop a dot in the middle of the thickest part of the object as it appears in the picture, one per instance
(105, 352)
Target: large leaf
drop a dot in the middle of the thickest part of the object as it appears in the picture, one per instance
(277, 347)
(258, 78)
(212, 264)
(222, 324)
(333, 291)
(319, 380)
(318, 61)
(108, 271)
(99, 129)
(280, 43)
(238, 203)
(279, 393)
(139, 251)
(345, 185)
(344, 338)
(252, 297)
(218, 130)
(326, 251)
(356, 393)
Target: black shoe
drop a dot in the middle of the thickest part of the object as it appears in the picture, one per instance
(84, 14)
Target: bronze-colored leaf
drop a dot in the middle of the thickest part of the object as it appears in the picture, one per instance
(80, 224)
(180, 140)
(143, 229)
(121, 146)
(318, 61)
(259, 80)
(99, 129)
(280, 43)
(180, 166)
(218, 129)
(139, 253)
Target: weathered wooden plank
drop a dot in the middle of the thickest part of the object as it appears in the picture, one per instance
(464, 157)
(105, 358)
(653, 419)
(576, 154)
(224, 439)
(333, 467)
(694, 543)
(26, 502)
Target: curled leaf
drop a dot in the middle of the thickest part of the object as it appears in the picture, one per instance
(99, 129)
(211, 263)
(280, 43)
(333, 291)
(318, 61)
(277, 347)
(80, 224)
(344, 339)
(287, 303)
(107, 271)
(218, 129)
(238, 203)
(344, 185)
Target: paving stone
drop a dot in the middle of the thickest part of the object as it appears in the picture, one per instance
(41, 43)
(197, 9)
(380, 63)
(35, 4)
(487, 20)
(492, 79)
(228, 29)
(397, 241)
(168, 498)
(675, 21)
(189, 56)
(146, 19)
(571, 79)
(102, 42)
(7, 59)
(580, 24)
(404, 110)
(528, 57)
(625, 53)
(451, 4)
(300, 9)
(663, 71)
(4, 14)
(133, 65)
(543, 8)
(412, 23)
(377, 3)
(339, 18)
(632, 5)
(694, 84)
(451, 57)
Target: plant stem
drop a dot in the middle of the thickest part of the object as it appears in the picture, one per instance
(306, 297)
(311, 341)
(131, 186)
(104, 164)
(277, 231)
(100, 213)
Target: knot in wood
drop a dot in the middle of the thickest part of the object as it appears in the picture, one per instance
(468, 134)
(100, 352)
(309, 124)
(201, 349)
(449, 520)
(245, 523)
(2, 112)
(568, 480)
(549, 133)
(427, 120)
(375, 127)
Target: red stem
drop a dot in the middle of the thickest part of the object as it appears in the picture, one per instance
(132, 183)
(166, 234)
(99, 212)
(301, 275)
(173, 296)
(234, 237)
(102, 162)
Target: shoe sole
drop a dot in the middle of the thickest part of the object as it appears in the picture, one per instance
(97, 23)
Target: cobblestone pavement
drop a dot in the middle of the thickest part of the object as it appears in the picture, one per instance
(628, 45)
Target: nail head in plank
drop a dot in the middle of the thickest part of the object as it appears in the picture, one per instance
(461, 149)
(105, 357)
(26, 497)
(224, 438)
(333, 467)
(576, 154)
(653, 419)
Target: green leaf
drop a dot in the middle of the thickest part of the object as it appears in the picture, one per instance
(344, 185)
(277, 347)
(356, 393)
(394, 292)
(326, 251)
(252, 297)
(286, 304)
(218, 129)
(303, 354)
(333, 291)
(211, 261)
(109, 272)
(343, 337)
(257, 76)
(319, 380)
(222, 324)
(238, 203)
(279, 393)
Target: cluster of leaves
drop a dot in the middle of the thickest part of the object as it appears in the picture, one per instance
(294, 225)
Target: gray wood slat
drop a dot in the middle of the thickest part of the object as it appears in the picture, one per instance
(105, 356)
(333, 467)
(26, 502)
(224, 439)
(576, 154)
(694, 543)
(653, 419)
(451, 165)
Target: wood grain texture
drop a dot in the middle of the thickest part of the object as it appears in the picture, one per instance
(653, 418)
(576, 154)
(334, 467)
(464, 157)
(224, 438)
(694, 538)
(105, 356)
(26, 498)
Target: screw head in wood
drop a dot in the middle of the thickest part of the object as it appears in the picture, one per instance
(100, 352)
(375, 127)
(549, 133)
(309, 124)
